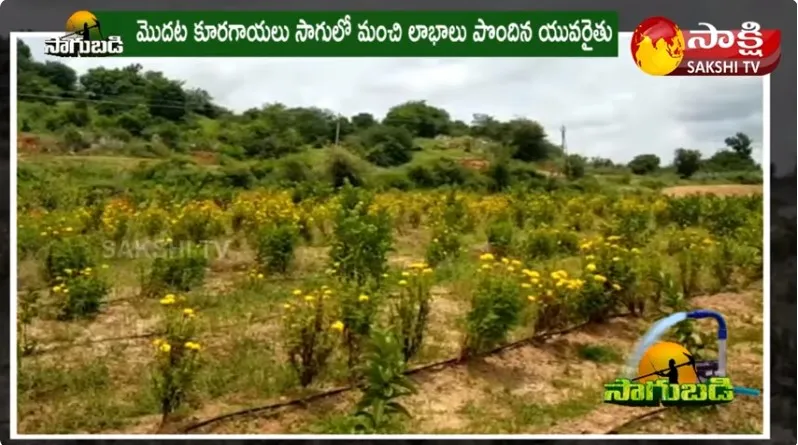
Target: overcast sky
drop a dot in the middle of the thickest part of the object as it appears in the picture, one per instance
(609, 107)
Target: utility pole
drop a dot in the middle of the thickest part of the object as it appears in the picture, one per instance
(564, 150)
(337, 129)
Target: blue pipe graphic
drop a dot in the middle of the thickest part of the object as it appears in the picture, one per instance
(659, 328)
(723, 335)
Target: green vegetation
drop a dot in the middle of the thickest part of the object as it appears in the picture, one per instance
(122, 117)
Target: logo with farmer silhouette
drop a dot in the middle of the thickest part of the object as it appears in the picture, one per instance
(84, 37)
(666, 373)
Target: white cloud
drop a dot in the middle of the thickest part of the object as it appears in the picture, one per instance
(608, 106)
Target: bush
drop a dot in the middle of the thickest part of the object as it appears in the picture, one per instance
(311, 329)
(644, 164)
(496, 308)
(65, 256)
(81, 293)
(275, 246)
(574, 166)
(180, 270)
(176, 359)
(687, 162)
(387, 146)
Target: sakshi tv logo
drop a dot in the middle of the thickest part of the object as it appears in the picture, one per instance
(661, 48)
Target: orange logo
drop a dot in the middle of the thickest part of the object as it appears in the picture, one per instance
(658, 46)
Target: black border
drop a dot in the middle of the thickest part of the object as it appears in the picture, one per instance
(45, 15)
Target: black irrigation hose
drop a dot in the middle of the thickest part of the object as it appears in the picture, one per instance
(303, 401)
(61, 346)
(617, 429)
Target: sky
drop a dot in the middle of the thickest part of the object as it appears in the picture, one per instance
(609, 108)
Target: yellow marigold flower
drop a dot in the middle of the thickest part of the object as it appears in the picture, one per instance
(549, 293)
(616, 286)
(418, 265)
(363, 298)
(405, 274)
(337, 326)
(505, 261)
(192, 346)
(613, 238)
(297, 292)
(591, 267)
(590, 257)
(56, 289)
(427, 270)
(188, 312)
(635, 250)
(600, 278)
(615, 258)
(487, 257)
(526, 285)
(385, 275)
(402, 282)
(167, 300)
(515, 263)
(510, 269)
(260, 276)
(535, 280)
(309, 298)
(165, 347)
(485, 266)
(531, 298)
(68, 271)
(286, 306)
(158, 342)
(68, 229)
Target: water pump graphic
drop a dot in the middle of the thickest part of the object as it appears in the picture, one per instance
(704, 369)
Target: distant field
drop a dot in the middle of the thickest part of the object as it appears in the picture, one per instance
(720, 190)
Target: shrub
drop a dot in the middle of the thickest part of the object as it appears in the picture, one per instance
(311, 329)
(410, 309)
(66, 255)
(495, 308)
(81, 294)
(176, 359)
(362, 239)
(385, 383)
(275, 246)
(180, 270)
(644, 164)
(446, 245)
(500, 238)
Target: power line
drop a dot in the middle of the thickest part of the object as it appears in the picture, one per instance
(163, 104)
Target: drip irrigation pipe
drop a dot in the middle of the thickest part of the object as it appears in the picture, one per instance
(303, 401)
(617, 429)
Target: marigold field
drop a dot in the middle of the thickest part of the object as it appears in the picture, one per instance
(144, 316)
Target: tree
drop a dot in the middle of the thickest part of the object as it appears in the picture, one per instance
(644, 164)
(388, 146)
(488, 127)
(740, 143)
(728, 160)
(420, 119)
(687, 162)
(528, 139)
(363, 121)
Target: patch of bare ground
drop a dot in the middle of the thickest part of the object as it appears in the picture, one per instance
(720, 190)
